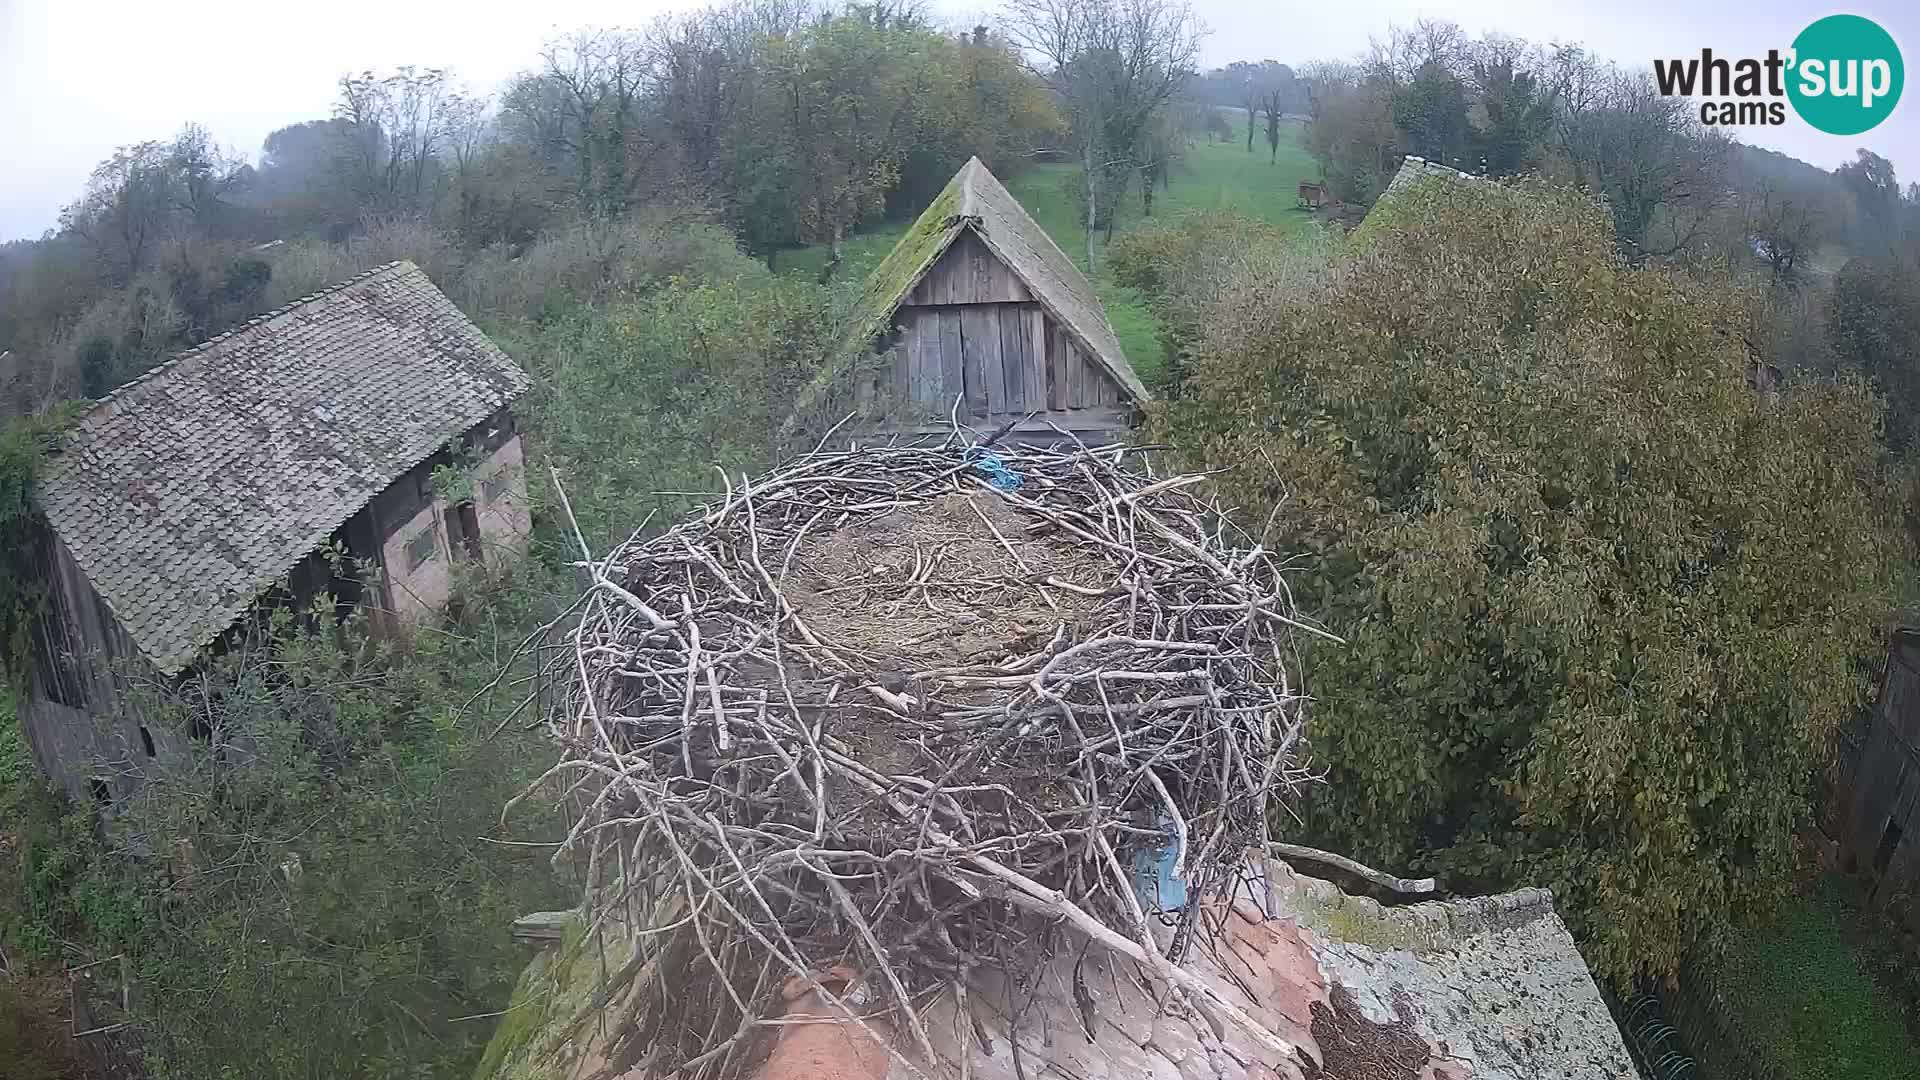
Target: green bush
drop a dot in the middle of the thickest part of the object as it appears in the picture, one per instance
(592, 261)
(647, 395)
(1182, 263)
(1604, 605)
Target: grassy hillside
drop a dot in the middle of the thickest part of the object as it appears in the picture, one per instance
(1213, 176)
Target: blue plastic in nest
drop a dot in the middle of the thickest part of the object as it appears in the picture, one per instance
(994, 468)
(1156, 877)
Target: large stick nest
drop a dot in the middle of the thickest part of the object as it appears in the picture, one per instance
(867, 723)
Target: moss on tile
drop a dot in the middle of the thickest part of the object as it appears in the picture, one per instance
(535, 1037)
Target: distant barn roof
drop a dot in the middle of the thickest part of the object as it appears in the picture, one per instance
(975, 199)
(1414, 170)
(190, 491)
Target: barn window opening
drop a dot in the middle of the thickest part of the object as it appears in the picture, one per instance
(102, 794)
(422, 548)
(1889, 843)
(146, 740)
(463, 531)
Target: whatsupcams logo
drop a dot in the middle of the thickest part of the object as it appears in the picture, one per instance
(1843, 75)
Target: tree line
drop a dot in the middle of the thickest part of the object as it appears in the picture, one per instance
(787, 123)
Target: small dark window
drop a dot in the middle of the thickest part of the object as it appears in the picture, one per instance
(146, 740)
(102, 794)
(463, 532)
(1889, 843)
(422, 548)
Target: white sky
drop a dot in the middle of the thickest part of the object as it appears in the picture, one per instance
(80, 77)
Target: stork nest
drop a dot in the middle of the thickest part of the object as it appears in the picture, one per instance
(867, 723)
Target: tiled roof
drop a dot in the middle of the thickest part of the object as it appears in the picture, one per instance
(1415, 169)
(190, 491)
(1487, 988)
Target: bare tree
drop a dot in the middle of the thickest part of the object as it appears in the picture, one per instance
(395, 124)
(1272, 104)
(1646, 154)
(582, 112)
(1112, 64)
(1408, 50)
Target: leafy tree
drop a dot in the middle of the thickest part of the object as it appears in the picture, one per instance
(1352, 133)
(1873, 320)
(126, 207)
(837, 117)
(1431, 113)
(1517, 103)
(1603, 606)
(1875, 189)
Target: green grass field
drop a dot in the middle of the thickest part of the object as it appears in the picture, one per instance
(1213, 176)
(1803, 1003)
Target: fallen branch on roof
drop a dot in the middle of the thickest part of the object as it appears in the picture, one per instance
(872, 712)
(1360, 870)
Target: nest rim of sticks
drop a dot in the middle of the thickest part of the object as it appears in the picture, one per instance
(718, 758)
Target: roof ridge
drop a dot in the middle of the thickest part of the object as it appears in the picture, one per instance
(208, 345)
(970, 174)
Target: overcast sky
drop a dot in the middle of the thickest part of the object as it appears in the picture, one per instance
(80, 77)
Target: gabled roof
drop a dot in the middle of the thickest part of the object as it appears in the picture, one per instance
(975, 199)
(187, 493)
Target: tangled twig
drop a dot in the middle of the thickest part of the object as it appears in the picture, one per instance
(868, 713)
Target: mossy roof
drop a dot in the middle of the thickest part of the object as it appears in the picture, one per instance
(975, 199)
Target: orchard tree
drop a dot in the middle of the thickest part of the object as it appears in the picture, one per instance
(1603, 606)
(837, 117)
(1112, 65)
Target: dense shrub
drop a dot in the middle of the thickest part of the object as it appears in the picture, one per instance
(647, 395)
(1180, 263)
(1604, 605)
(1873, 316)
(303, 882)
(589, 261)
(309, 264)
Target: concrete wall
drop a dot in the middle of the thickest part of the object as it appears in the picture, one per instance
(416, 593)
(500, 500)
(411, 509)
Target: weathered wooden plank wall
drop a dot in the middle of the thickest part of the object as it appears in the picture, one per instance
(972, 331)
(1881, 838)
(998, 358)
(968, 274)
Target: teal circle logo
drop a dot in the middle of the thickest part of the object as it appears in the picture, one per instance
(1846, 75)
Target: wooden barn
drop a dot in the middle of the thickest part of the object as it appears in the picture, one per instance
(287, 460)
(1879, 839)
(978, 316)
